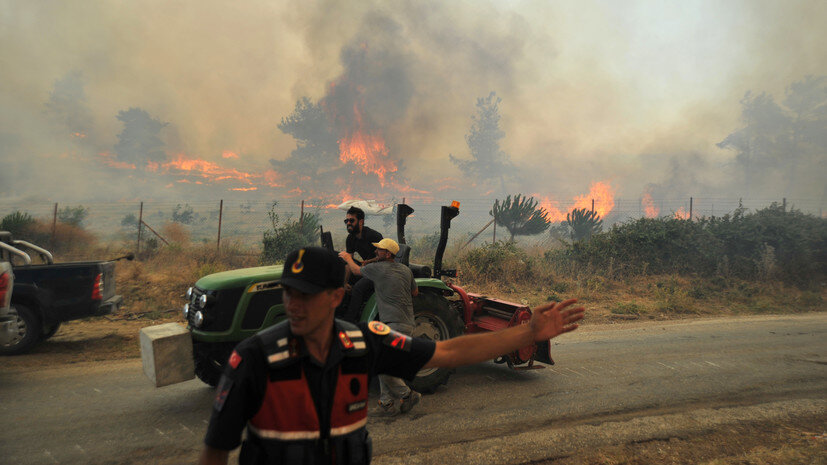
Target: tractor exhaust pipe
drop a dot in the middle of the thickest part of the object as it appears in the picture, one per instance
(448, 213)
(403, 210)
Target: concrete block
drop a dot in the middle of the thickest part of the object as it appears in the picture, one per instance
(166, 353)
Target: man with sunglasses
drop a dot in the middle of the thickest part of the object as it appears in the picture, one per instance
(360, 239)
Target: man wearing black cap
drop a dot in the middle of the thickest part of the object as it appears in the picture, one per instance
(301, 387)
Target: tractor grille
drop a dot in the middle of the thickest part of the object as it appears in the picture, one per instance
(219, 311)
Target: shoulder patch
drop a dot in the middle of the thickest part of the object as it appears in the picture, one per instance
(377, 327)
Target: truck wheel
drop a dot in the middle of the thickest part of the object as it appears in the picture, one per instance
(49, 332)
(210, 358)
(435, 320)
(25, 331)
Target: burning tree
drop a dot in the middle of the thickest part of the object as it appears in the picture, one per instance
(484, 142)
(520, 216)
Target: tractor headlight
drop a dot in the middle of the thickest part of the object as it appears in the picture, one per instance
(186, 311)
(198, 319)
(189, 294)
(203, 300)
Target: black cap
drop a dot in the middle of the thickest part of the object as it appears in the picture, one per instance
(312, 270)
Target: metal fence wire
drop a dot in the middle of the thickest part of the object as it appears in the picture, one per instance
(241, 224)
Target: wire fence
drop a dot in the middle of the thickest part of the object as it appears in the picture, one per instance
(241, 224)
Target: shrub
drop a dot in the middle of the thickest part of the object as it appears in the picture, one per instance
(288, 235)
(583, 224)
(73, 215)
(423, 248)
(500, 261)
(18, 223)
(768, 243)
(650, 245)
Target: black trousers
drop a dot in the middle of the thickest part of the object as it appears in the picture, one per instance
(359, 293)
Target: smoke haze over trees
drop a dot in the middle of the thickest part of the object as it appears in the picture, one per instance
(146, 101)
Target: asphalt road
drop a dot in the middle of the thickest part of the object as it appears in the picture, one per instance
(610, 385)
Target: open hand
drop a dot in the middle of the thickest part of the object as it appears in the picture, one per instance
(555, 318)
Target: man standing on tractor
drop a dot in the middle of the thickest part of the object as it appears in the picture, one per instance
(360, 238)
(301, 387)
(395, 288)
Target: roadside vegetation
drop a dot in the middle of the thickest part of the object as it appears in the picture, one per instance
(745, 263)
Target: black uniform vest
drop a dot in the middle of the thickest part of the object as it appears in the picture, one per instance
(286, 428)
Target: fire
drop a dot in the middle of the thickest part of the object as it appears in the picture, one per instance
(366, 149)
(601, 193)
(244, 189)
(228, 154)
(603, 196)
(555, 215)
(206, 169)
(681, 214)
(649, 207)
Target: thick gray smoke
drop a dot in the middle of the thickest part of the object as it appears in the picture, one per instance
(151, 100)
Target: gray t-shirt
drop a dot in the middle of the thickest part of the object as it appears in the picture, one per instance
(394, 284)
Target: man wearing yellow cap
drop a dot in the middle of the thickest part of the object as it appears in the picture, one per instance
(395, 287)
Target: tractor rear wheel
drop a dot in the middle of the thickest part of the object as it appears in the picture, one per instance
(435, 320)
(210, 358)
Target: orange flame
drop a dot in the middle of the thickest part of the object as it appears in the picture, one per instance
(366, 149)
(206, 169)
(649, 206)
(228, 154)
(600, 192)
(244, 189)
(681, 214)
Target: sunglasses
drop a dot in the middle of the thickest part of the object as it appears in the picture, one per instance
(350, 220)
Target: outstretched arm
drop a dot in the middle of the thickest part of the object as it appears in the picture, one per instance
(547, 321)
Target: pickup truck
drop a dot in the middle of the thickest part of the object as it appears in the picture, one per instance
(6, 283)
(44, 295)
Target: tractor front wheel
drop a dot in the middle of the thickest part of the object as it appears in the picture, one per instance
(210, 358)
(435, 320)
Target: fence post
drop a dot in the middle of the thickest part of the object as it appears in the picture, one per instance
(140, 226)
(54, 227)
(301, 218)
(784, 205)
(690, 208)
(592, 205)
(220, 215)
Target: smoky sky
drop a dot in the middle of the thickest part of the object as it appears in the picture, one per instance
(117, 96)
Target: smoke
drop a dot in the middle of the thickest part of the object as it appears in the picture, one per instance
(142, 100)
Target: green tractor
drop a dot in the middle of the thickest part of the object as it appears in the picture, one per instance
(225, 308)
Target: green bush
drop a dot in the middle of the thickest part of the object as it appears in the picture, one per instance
(769, 243)
(423, 248)
(73, 216)
(288, 235)
(18, 223)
